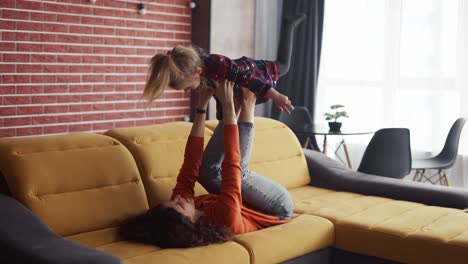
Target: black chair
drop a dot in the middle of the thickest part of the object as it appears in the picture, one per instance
(388, 154)
(300, 122)
(444, 160)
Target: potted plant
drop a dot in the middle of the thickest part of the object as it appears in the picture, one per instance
(334, 125)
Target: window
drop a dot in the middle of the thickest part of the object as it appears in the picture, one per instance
(396, 63)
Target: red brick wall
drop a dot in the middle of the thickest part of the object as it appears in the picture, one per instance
(68, 65)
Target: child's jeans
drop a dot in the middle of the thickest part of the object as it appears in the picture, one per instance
(258, 192)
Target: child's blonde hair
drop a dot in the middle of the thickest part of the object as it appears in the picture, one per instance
(168, 70)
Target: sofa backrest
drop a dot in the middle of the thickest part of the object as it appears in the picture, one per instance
(76, 182)
(276, 153)
(159, 153)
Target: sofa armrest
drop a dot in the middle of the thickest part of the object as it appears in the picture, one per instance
(25, 239)
(328, 173)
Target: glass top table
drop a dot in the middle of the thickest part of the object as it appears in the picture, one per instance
(307, 133)
(330, 133)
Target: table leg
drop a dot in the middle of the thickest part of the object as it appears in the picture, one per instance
(307, 142)
(348, 159)
(325, 144)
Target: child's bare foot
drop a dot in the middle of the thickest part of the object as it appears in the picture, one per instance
(248, 106)
(248, 97)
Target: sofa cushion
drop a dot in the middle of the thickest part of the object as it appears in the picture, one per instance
(226, 253)
(107, 240)
(276, 153)
(304, 234)
(76, 182)
(396, 230)
(159, 153)
(130, 252)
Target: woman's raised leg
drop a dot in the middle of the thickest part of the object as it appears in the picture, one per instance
(213, 155)
(258, 192)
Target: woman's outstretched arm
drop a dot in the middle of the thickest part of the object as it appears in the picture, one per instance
(189, 172)
(227, 208)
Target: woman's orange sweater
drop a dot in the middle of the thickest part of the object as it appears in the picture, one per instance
(225, 208)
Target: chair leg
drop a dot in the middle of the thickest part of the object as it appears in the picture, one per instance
(416, 176)
(324, 150)
(436, 176)
(445, 176)
(423, 176)
(348, 159)
(420, 175)
(441, 177)
(306, 143)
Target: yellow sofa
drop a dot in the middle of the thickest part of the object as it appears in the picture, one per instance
(81, 185)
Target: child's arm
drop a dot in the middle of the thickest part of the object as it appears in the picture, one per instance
(281, 101)
(188, 174)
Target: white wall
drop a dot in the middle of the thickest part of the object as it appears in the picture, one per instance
(232, 31)
(232, 27)
(267, 30)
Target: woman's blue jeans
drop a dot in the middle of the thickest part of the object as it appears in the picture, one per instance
(258, 192)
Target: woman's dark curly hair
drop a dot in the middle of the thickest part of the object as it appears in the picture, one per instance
(167, 228)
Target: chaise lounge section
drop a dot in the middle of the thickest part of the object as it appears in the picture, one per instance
(71, 192)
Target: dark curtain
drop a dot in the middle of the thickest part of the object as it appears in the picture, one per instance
(300, 83)
(201, 20)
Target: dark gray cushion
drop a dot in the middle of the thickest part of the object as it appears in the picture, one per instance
(25, 239)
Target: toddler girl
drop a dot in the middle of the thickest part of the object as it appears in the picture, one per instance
(186, 68)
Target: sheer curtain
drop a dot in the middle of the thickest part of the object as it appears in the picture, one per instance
(267, 31)
(396, 63)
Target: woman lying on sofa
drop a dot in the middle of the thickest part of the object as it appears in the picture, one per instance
(240, 200)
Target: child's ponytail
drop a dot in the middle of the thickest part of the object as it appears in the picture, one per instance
(162, 70)
(168, 70)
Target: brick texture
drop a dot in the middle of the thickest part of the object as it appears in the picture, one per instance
(71, 66)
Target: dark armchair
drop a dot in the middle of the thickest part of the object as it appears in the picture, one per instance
(25, 239)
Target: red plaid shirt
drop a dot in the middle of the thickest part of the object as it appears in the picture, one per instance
(257, 75)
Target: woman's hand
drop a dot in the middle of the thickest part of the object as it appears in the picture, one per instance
(224, 93)
(204, 95)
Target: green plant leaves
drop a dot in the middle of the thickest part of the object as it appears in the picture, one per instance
(337, 114)
(336, 106)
